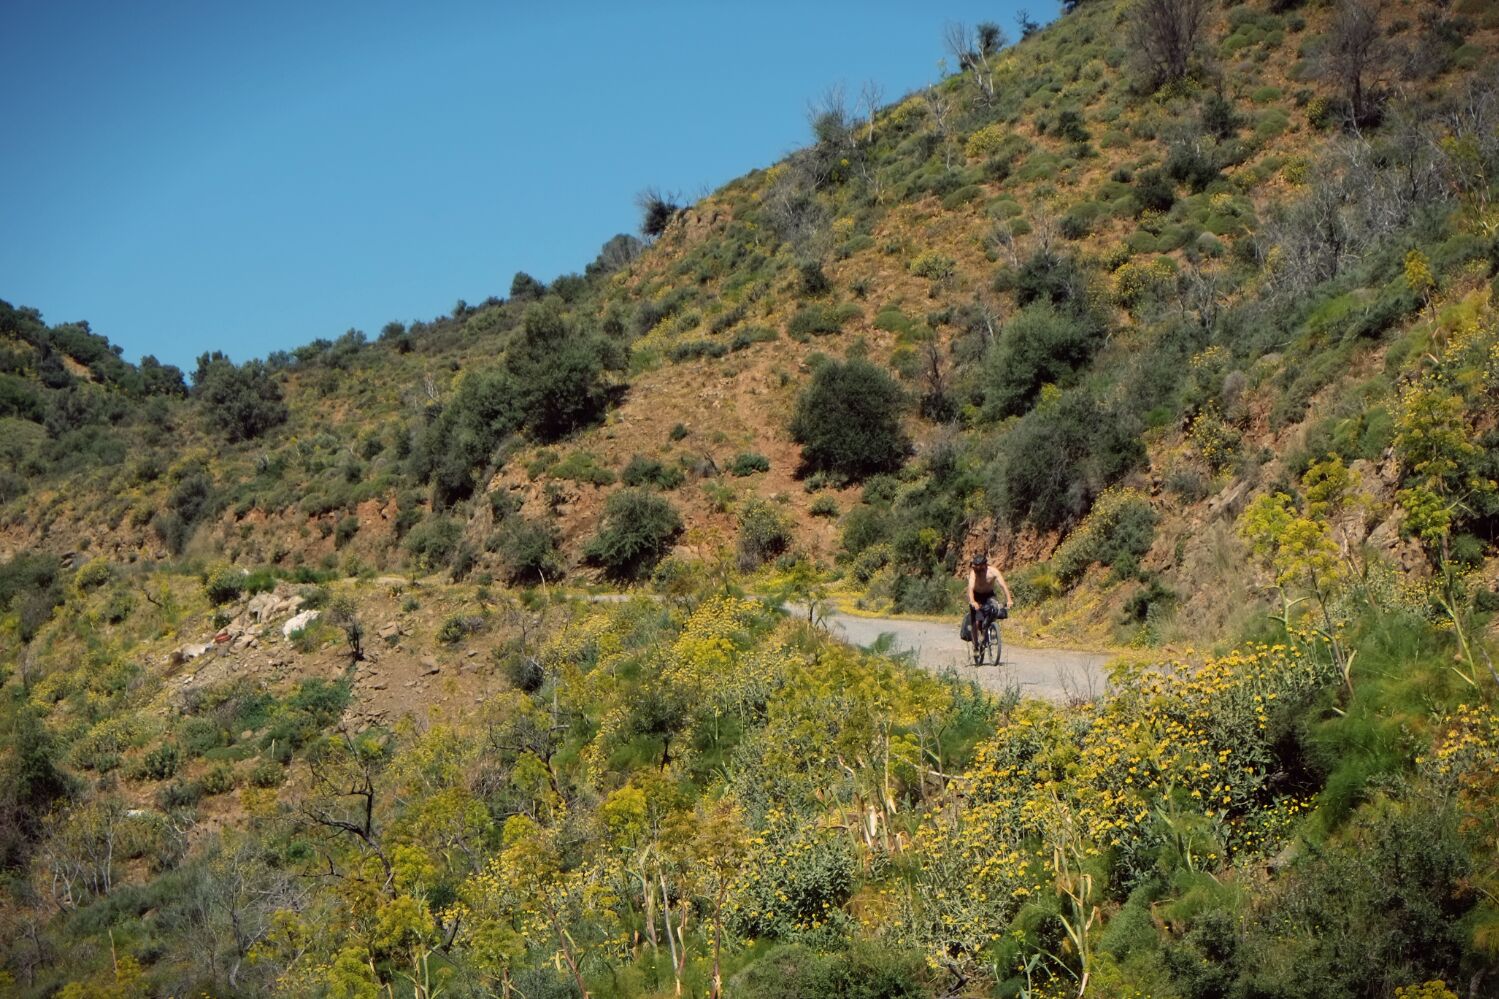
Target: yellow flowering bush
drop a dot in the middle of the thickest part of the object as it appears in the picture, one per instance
(1177, 759)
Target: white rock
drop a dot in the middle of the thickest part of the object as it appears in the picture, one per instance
(261, 606)
(298, 622)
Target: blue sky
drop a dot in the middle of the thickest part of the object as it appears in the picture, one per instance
(195, 176)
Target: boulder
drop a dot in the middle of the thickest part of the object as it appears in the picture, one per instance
(297, 622)
(262, 606)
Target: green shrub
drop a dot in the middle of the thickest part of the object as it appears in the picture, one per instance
(178, 795)
(934, 266)
(529, 550)
(643, 471)
(1271, 123)
(848, 421)
(267, 773)
(1040, 345)
(678, 431)
(93, 574)
(820, 320)
(345, 531)
(223, 585)
(692, 350)
(1381, 907)
(748, 463)
(919, 594)
(1046, 276)
(521, 668)
(218, 780)
(637, 530)
(199, 735)
(241, 402)
(764, 533)
(457, 627)
(810, 887)
(433, 541)
(1058, 457)
(159, 763)
(1117, 532)
(582, 466)
(558, 372)
(824, 506)
(813, 281)
(868, 970)
(751, 335)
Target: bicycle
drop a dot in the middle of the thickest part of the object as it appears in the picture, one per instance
(986, 638)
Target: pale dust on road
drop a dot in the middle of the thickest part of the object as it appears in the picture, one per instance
(1054, 674)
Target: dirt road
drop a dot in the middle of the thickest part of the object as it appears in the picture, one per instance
(1055, 674)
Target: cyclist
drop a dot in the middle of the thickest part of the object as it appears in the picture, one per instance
(981, 583)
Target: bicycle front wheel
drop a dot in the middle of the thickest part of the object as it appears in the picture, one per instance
(991, 639)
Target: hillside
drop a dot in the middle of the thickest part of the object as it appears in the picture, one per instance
(1183, 311)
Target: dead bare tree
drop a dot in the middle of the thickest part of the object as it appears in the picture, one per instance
(974, 49)
(1356, 57)
(936, 405)
(829, 116)
(349, 771)
(941, 107)
(345, 615)
(1164, 35)
(871, 96)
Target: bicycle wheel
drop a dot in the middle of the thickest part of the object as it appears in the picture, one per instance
(980, 645)
(991, 639)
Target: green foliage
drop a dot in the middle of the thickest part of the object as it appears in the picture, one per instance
(223, 585)
(748, 463)
(558, 373)
(784, 901)
(93, 574)
(692, 350)
(848, 421)
(824, 506)
(866, 971)
(456, 627)
(1383, 907)
(29, 573)
(31, 783)
(636, 532)
(1039, 346)
(751, 335)
(820, 320)
(159, 763)
(643, 471)
(433, 542)
(933, 265)
(344, 532)
(1059, 457)
(528, 549)
(1046, 276)
(241, 401)
(1117, 533)
(582, 466)
(764, 533)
